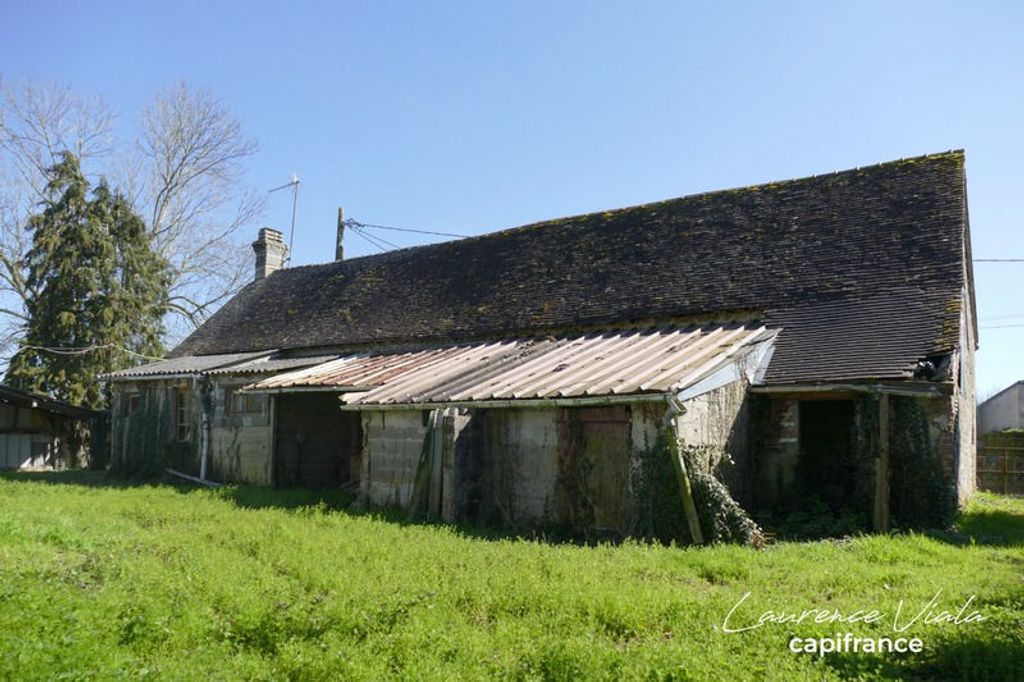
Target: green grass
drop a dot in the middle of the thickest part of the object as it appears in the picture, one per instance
(102, 581)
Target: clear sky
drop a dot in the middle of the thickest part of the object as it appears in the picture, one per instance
(472, 116)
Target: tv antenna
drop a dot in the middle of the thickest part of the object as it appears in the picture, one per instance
(294, 184)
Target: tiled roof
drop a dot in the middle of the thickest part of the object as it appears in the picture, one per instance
(877, 337)
(873, 239)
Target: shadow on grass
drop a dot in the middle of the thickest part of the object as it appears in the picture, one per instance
(980, 655)
(343, 502)
(999, 528)
(340, 501)
(993, 520)
(999, 523)
(90, 478)
(256, 497)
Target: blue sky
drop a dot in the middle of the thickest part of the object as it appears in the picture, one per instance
(473, 116)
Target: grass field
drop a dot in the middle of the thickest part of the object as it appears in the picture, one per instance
(102, 581)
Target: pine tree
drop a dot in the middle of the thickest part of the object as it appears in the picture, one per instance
(101, 291)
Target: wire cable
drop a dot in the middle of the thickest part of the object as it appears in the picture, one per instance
(355, 223)
(81, 350)
(378, 238)
(368, 238)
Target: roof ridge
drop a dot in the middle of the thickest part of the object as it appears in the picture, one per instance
(773, 184)
(851, 234)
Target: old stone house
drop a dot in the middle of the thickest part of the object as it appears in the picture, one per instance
(811, 338)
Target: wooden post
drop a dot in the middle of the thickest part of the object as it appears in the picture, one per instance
(272, 476)
(419, 499)
(339, 244)
(437, 464)
(690, 509)
(448, 468)
(881, 520)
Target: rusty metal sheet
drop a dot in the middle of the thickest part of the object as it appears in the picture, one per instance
(624, 362)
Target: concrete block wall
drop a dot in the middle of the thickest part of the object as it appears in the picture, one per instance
(393, 441)
(508, 466)
(519, 452)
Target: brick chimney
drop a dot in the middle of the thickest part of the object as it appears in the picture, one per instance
(339, 245)
(270, 252)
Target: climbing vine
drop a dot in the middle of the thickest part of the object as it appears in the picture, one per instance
(921, 492)
(659, 506)
(148, 447)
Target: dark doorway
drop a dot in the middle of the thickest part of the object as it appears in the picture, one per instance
(316, 444)
(827, 467)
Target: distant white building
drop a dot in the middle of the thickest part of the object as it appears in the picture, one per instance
(1004, 410)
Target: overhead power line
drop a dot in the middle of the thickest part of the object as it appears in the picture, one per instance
(994, 318)
(355, 223)
(999, 260)
(377, 238)
(81, 350)
(372, 240)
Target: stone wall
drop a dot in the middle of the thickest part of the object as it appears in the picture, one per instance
(775, 442)
(966, 409)
(717, 424)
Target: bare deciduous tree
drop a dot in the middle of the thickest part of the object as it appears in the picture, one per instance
(192, 155)
(184, 173)
(37, 122)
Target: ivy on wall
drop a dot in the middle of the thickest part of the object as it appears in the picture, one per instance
(921, 491)
(659, 506)
(145, 444)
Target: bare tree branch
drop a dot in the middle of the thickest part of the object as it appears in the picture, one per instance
(185, 172)
(194, 150)
(37, 122)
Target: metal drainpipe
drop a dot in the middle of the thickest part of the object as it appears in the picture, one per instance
(204, 425)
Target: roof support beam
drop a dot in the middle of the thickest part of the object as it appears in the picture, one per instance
(909, 390)
(542, 402)
(881, 511)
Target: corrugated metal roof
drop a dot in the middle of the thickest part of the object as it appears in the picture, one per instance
(613, 363)
(188, 364)
(14, 396)
(263, 365)
(361, 371)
